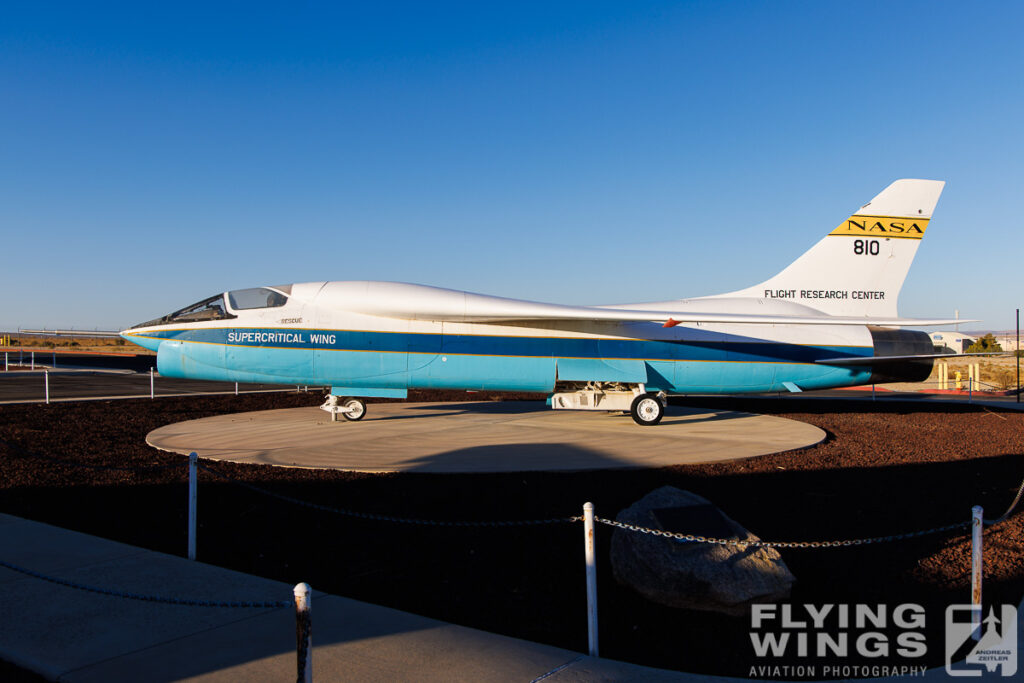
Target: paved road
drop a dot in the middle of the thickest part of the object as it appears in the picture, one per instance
(62, 360)
(68, 385)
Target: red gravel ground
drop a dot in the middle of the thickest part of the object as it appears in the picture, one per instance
(885, 468)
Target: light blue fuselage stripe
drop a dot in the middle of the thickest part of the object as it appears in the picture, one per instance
(402, 360)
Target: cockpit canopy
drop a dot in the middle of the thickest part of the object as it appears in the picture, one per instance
(257, 297)
(207, 309)
(220, 307)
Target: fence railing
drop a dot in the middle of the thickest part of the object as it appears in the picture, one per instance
(34, 364)
(967, 384)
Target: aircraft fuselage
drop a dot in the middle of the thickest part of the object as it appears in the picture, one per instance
(314, 338)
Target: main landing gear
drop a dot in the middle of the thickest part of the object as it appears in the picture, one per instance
(352, 409)
(645, 407)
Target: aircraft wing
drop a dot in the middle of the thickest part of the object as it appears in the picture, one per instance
(420, 302)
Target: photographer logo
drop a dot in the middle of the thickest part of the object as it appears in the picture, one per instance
(992, 649)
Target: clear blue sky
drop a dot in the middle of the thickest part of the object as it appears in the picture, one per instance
(573, 152)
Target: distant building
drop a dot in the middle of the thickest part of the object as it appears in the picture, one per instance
(951, 342)
(1008, 340)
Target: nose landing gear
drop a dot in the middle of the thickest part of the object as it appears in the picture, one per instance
(352, 409)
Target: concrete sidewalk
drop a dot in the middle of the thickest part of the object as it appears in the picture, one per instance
(68, 634)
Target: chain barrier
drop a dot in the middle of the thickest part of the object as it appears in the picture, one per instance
(732, 542)
(387, 518)
(528, 522)
(1009, 510)
(72, 463)
(147, 598)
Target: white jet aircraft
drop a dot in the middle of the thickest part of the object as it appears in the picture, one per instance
(827, 320)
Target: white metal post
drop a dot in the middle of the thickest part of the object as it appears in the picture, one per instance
(6, 364)
(303, 634)
(976, 528)
(236, 388)
(152, 385)
(46, 381)
(33, 360)
(970, 390)
(588, 540)
(192, 457)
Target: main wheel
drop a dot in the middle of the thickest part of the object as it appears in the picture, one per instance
(356, 409)
(647, 410)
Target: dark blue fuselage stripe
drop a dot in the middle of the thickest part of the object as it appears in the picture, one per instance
(538, 347)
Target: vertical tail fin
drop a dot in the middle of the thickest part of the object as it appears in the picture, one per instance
(858, 269)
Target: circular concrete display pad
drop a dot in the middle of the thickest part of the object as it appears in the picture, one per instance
(511, 436)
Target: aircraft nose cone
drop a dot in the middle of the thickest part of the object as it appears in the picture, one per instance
(137, 336)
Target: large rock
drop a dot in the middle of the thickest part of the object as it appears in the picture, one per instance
(694, 575)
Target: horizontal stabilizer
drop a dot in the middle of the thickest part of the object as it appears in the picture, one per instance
(871, 360)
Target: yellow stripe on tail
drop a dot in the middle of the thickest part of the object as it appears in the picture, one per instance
(898, 227)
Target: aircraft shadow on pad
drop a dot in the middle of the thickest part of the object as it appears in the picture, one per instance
(526, 407)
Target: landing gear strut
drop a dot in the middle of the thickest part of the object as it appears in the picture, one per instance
(645, 407)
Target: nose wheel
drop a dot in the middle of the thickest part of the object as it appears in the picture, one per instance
(355, 409)
(647, 410)
(351, 408)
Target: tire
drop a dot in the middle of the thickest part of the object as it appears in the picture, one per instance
(647, 410)
(357, 406)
